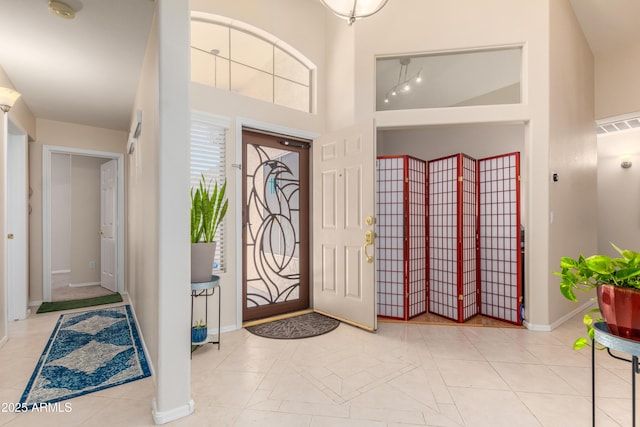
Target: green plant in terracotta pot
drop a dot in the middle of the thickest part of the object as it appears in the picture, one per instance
(617, 282)
(208, 208)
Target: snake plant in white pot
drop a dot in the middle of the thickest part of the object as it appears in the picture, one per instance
(208, 209)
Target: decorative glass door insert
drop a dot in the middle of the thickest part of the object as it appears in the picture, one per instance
(275, 225)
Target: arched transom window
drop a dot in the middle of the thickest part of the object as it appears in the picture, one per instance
(245, 60)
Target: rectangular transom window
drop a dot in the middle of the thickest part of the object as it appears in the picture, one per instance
(452, 79)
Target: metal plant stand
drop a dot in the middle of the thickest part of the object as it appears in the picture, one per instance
(206, 289)
(614, 342)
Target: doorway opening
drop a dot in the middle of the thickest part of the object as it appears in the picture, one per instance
(83, 209)
(275, 225)
(470, 265)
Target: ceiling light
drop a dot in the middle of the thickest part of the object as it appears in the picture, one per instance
(354, 9)
(62, 9)
(7, 98)
(404, 79)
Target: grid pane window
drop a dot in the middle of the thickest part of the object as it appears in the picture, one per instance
(249, 64)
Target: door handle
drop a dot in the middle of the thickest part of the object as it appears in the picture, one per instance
(101, 232)
(10, 236)
(369, 239)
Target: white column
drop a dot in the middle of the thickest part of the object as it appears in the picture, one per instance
(173, 368)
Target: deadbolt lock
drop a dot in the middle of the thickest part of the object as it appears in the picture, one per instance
(369, 237)
(370, 220)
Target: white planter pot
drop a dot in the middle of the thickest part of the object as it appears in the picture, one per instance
(202, 256)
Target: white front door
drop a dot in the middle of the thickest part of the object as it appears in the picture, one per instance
(108, 224)
(343, 276)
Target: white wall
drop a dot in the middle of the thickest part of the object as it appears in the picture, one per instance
(618, 189)
(616, 81)
(478, 141)
(142, 204)
(60, 212)
(572, 154)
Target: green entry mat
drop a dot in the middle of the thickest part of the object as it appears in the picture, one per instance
(47, 307)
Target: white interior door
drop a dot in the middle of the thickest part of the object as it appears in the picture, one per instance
(17, 229)
(108, 224)
(343, 197)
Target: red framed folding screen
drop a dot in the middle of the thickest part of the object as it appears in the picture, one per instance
(443, 237)
(500, 262)
(468, 237)
(453, 216)
(416, 232)
(401, 236)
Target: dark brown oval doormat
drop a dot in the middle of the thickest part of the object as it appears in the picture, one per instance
(303, 326)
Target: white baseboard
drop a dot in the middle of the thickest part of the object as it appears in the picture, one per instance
(35, 303)
(534, 327)
(3, 341)
(172, 415)
(229, 328)
(82, 285)
(60, 271)
(547, 328)
(144, 345)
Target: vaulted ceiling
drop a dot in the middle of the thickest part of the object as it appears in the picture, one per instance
(86, 70)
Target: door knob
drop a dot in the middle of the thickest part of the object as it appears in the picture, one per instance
(369, 238)
(10, 236)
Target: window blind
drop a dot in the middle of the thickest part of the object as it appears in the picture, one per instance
(208, 158)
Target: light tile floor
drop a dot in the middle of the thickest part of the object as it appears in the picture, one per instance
(403, 375)
(61, 291)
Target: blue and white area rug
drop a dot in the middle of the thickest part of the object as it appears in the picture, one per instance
(87, 352)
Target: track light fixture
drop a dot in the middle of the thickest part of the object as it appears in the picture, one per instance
(404, 80)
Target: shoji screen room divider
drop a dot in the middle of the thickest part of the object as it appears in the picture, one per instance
(474, 237)
(500, 252)
(453, 219)
(401, 246)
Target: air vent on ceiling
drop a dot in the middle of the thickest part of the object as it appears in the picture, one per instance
(617, 125)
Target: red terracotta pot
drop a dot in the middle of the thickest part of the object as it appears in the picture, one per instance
(620, 309)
